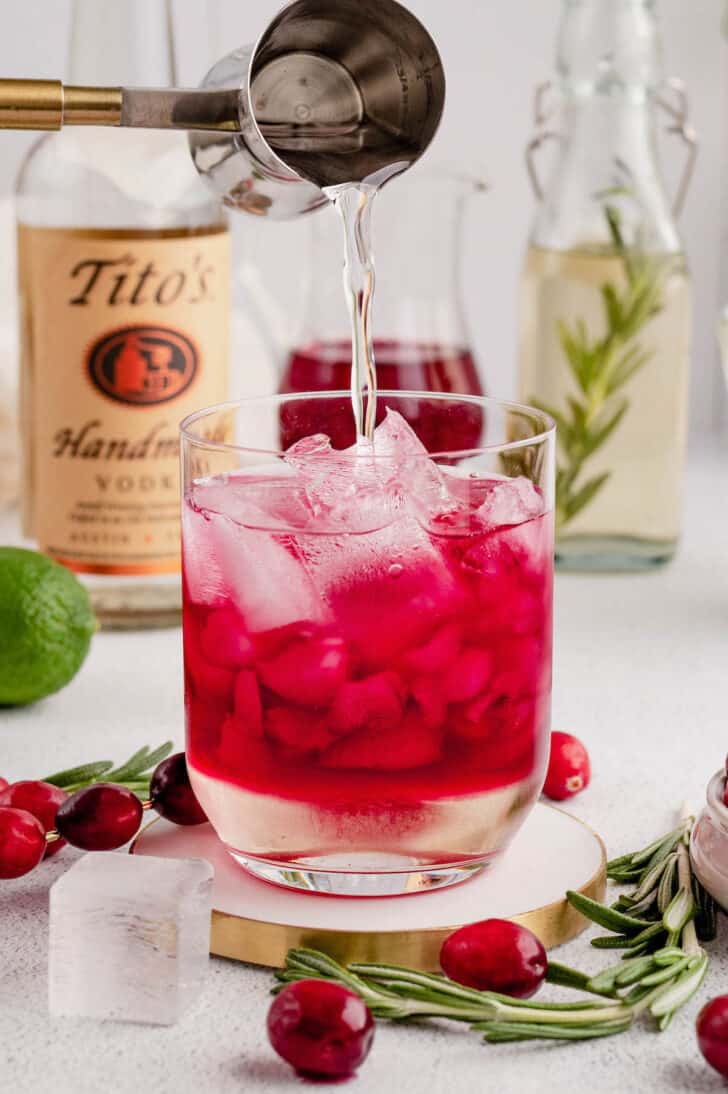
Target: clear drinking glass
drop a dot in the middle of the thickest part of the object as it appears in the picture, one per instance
(367, 638)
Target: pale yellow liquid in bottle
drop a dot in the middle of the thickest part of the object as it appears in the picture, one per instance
(634, 520)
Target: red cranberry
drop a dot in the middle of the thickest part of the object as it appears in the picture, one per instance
(495, 955)
(100, 817)
(712, 1029)
(3, 783)
(320, 1029)
(171, 794)
(22, 842)
(43, 800)
(569, 770)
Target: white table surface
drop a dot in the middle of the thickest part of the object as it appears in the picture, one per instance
(640, 674)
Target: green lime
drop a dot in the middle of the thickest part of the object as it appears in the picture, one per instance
(46, 624)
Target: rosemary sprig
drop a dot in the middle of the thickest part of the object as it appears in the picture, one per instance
(399, 994)
(134, 774)
(602, 366)
(662, 968)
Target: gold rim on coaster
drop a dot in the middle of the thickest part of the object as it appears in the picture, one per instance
(259, 942)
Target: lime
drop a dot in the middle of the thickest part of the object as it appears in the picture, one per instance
(46, 624)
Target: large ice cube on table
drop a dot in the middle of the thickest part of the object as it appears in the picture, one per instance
(129, 937)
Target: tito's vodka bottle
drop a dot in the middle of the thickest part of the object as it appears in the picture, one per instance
(124, 283)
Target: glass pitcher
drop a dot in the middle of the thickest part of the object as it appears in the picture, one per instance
(422, 341)
(606, 297)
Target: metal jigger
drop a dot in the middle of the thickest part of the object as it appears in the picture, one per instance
(334, 92)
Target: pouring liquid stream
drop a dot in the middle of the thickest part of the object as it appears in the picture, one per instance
(353, 202)
(354, 205)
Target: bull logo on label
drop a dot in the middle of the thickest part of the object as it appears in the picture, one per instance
(143, 366)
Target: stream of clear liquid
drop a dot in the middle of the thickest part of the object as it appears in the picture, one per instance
(354, 205)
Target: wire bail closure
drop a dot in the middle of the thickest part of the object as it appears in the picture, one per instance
(670, 97)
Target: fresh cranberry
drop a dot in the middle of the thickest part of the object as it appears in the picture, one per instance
(297, 731)
(569, 770)
(247, 706)
(22, 842)
(411, 744)
(308, 672)
(431, 703)
(3, 783)
(468, 676)
(320, 1029)
(712, 1029)
(376, 702)
(100, 817)
(171, 793)
(224, 641)
(43, 800)
(495, 955)
(437, 654)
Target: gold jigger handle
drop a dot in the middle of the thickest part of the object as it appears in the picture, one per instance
(48, 104)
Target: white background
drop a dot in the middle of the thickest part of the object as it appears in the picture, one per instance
(495, 51)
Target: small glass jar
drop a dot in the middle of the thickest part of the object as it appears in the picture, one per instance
(709, 842)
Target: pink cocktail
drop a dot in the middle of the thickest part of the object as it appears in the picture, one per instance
(367, 642)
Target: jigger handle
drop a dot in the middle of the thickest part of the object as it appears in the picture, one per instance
(49, 104)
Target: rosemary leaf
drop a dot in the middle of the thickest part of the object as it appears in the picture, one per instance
(647, 936)
(611, 942)
(671, 839)
(633, 971)
(679, 993)
(604, 916)
(134, 774)
(661, 976)
(667, 956)
(679, 911)
(667, 883)
(572, 978)
(506, 1032)
(85, 773)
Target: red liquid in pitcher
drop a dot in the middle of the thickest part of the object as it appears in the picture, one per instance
(401, 366)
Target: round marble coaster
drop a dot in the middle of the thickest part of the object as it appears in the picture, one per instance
(257, 922)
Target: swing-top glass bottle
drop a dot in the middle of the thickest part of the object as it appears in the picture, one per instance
(605, 318)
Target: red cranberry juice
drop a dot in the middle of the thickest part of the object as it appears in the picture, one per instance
(401, 366)
(385, 689)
